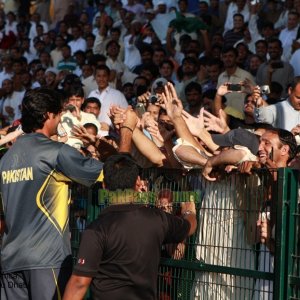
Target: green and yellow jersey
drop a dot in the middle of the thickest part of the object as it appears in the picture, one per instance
(35, 174)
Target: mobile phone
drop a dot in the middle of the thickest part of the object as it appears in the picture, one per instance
(234, 87)
(140, 109)
(277, 65)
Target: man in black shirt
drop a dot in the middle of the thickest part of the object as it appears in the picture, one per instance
(36, 257)
(119, 252)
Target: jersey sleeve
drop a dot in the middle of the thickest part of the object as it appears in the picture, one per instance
(177, 229)
(90, 254)
(83, 170)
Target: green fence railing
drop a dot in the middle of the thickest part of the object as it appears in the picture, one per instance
(224, 259)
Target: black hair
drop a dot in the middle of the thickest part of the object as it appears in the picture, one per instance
(120, 172)
(90, 125)
(75, 90)
(275, 40)
(296, 81)
(210, 94)
(96, 58)
(111, 42)
(261, 42)
(167, 61)
(238, 15)
(91, 100)
(35, 106)
(286, 138)
(230, 49)
(215, 62)
(103, 68)
(193, 86)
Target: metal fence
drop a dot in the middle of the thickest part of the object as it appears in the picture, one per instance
(224, 259)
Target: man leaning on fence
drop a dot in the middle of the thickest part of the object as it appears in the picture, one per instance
(120, 252)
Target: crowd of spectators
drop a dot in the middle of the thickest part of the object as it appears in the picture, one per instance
(231, 67)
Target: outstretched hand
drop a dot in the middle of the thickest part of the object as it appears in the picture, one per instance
(117, 115)
(194, 124)
(81, 133)
(213, 123)
(172, 104)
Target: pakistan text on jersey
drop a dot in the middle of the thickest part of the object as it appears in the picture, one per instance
(11, 176)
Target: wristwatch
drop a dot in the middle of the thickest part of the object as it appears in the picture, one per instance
(188, 212)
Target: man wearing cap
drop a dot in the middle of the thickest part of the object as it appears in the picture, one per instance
(50, 78)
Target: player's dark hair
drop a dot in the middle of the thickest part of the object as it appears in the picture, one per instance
(35, 106)
(120, 172)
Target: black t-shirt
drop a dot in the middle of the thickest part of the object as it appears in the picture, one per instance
(121, 250)
(35, 173)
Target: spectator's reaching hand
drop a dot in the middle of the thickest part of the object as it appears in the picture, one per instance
(296, 130)
(172, 104)
(223, 89)
(117, 115)
(188, 206)
(131, 119)
(144, 98)
(247, 166)
(256, 93)
(81, 133)
(160, 132)
(194, 124)
(147, 120)
(207, 170)
(213, 123)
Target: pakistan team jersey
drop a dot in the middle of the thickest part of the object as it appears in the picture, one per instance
(35, 174)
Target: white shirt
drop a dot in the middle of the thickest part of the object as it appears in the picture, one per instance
(295, 62)
(287, 37)
(107, 98)
(68, 120)
(33, 33)
(280, 115)
(89, 84)
(132, 53)
(4, 75)
(232, 10)
(14, 101)
(79, 44)
(11, 27)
